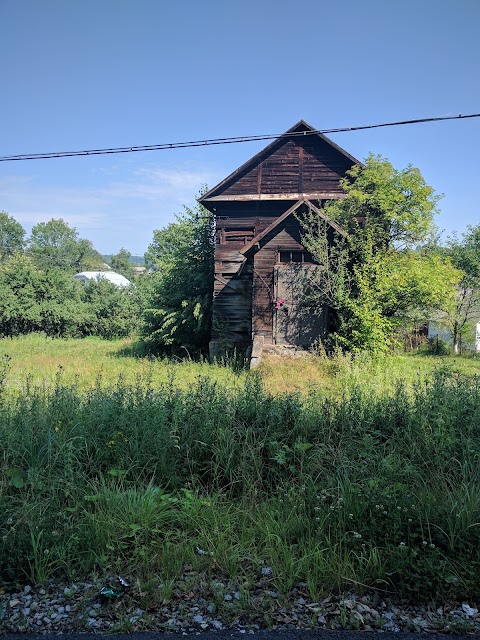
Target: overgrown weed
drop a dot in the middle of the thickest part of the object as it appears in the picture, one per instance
(372, 486)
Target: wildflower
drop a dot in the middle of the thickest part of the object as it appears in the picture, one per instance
(424, 543)
(402, 544)
(431, 545)
(410, 520)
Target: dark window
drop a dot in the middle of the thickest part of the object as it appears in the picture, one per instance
(295, 256)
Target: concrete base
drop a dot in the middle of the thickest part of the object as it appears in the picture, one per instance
(257, 350)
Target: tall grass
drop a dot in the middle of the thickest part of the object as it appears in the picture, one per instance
(365, 487)
(85, 361)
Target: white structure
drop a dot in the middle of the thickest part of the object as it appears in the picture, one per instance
(437, 329)
(94, 276)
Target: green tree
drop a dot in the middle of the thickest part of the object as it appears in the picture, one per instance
(465, 255)
(12, 236)
(395, 204)
(120, 262)
(373, 279)
(179, 291)
(56, 244)
(32, 299)
(114, 311)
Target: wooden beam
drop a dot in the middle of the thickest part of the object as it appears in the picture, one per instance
(285, 215)
(323, 195)
(300, 168)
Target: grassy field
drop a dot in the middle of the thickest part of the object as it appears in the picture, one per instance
(331, 472)
(87, 362)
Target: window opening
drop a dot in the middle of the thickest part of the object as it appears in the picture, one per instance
(294, 256)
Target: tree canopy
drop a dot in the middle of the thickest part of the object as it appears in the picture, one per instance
(378, 277)
(464, 253)
(120, 262)
(56, 244)
(396, 205)
(12, 236)
(179, 291)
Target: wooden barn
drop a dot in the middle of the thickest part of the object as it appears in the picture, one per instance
(261, 266)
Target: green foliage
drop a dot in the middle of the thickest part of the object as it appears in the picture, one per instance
(121, 263)
(37, 292)
(367, 488)
(12, 236)
(56, 244)
(179, 292)
(34, 300)
(397, 206)
(465, 255)
(114, 311)
(52, 302)
(373, 279)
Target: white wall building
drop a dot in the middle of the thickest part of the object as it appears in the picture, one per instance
(94, 276)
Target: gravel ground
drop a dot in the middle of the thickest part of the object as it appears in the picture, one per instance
(215, 606)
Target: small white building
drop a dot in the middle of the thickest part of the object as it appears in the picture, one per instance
(95, 276)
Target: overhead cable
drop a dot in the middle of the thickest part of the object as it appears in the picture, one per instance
(228, 140)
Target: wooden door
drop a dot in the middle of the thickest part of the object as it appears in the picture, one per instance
(296, 320)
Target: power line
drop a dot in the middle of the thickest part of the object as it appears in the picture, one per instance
(217, 141)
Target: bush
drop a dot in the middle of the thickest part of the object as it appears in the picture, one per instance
(32, 300)
(179, 291)
(113, 312)
(50, 301)
(436, 346)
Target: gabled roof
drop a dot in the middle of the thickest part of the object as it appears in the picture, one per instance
(297, 130)
(244, 250)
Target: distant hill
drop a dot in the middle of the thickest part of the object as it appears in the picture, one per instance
(136, 260)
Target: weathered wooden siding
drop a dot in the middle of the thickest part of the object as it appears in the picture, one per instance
(232, 307)
(247, 203)
(298, 166)
(285, 237)
(323, 167)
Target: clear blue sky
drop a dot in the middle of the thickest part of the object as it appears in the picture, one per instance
(106, 73)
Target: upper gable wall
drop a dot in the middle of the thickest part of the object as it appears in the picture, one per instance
(308, 165)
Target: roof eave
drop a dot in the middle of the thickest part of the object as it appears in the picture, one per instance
(248, 247)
